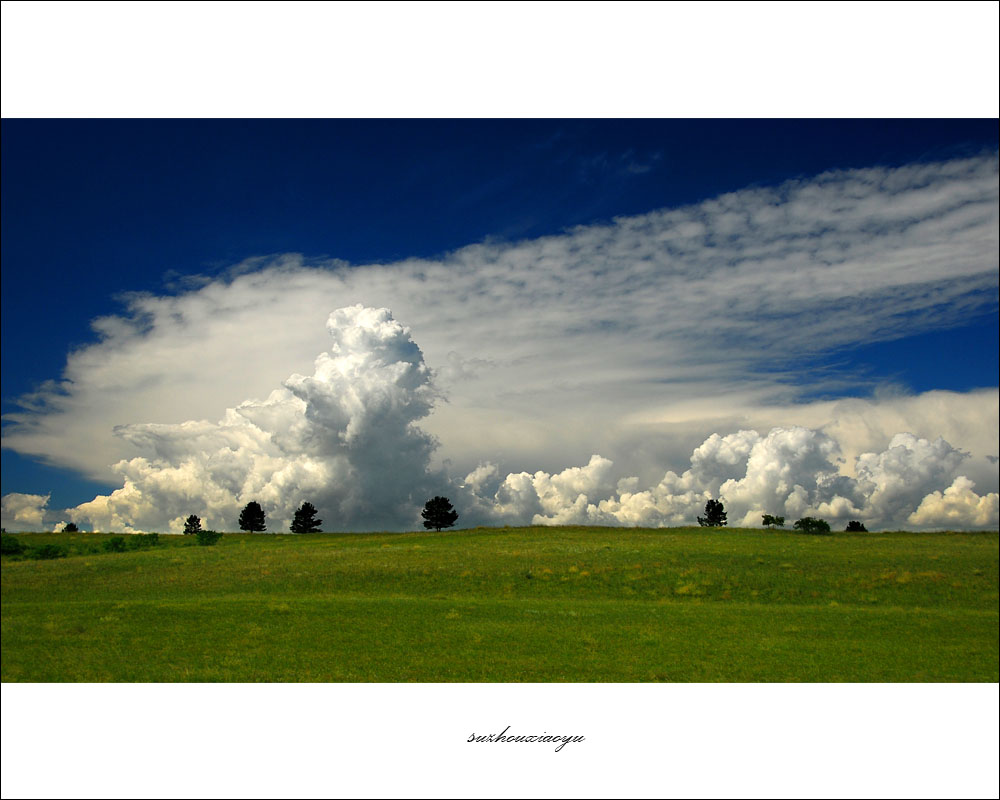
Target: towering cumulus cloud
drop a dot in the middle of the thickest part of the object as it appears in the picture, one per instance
(343, 438)
(346, 438)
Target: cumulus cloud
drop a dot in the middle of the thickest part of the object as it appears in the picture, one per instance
(895, 480)
(957, 507)
(791, 472)
(546, 499)
(347, 439)
(343, 438)
(23, 512)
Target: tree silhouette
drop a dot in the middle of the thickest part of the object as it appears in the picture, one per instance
(252, 518)
(71, 528)
(438, 513)
(769, 520)
(812, 525)
(192, 525)
(715, 515)
(856, 526)
(305, 520)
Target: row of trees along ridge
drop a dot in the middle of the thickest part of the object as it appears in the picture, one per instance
(715, 517)
(438, 513)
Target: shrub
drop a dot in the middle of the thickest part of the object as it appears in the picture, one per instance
(208, 538)
(143, 541)
(812, 525)
(11, 545)
(47, 551)
(116, 544)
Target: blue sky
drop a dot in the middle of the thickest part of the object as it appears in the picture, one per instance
(97, 210)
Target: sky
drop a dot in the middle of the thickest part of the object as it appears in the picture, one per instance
(588, 321)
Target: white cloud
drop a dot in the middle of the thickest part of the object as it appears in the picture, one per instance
(541, 340)
(895, 480)
(636, 339)
(23, 512)
(346, 439)
(342, 438)
(791, 472)
(546, 499)
(957, 507)
(786, 472)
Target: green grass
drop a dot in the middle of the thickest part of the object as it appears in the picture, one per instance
(508, 604)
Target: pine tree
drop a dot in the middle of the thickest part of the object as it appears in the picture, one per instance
(252, 518)
(305, 520)
(192, 525)
(438, 513)
(715, 515)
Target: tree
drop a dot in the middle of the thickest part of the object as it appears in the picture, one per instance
(854, 525)
(768, 521)
(252, 518)
(812, 525)
(71, 528)
(438, 513)
(192, 525)
(715, 515)
(305, 520)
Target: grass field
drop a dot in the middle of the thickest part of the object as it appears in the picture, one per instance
(508, 604)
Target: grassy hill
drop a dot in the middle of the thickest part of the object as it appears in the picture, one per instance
(508, 604)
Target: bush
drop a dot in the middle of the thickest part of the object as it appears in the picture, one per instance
(116, 544)
(208, 538)
(812, 525)
(11, 545)
(47, 551)
(143, 541)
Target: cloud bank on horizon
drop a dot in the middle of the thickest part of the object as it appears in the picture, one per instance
(347, 439)
(670, 336)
